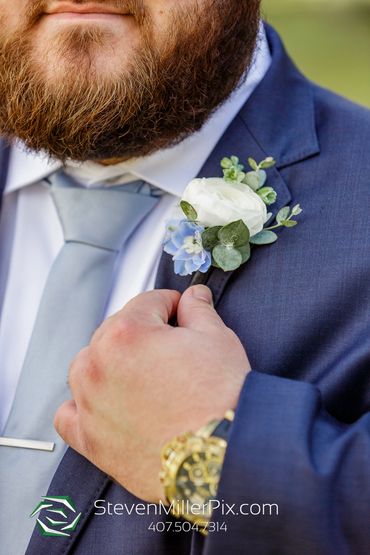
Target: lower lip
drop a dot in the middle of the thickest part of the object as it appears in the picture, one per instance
(85, 16)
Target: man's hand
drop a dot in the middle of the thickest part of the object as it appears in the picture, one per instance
(141, 382)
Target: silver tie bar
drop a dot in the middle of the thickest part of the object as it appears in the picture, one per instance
(27, 444)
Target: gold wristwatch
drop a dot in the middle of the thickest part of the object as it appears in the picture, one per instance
(191, 470)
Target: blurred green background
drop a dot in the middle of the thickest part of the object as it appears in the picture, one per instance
(329, 41)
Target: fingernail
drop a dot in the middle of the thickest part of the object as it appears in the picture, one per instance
(202, 293)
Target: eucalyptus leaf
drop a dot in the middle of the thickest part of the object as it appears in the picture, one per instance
(267, 163)
(253, 164)
(227, 258)
(264, 237)
(289, 223)
(283, 214)
(189, 210)
(245, 251)
(210, 237)
(252, 180)
(235, 234)
(262, 178)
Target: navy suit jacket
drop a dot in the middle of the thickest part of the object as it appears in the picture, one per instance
(301, 307)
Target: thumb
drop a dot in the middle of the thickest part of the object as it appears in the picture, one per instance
(196, 311)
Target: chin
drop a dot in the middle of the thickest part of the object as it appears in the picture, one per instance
(93, 70)
(94, 49)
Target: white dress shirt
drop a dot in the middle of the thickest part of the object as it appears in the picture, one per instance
(31, 234)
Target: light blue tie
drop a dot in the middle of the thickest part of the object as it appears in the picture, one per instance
(96, 224)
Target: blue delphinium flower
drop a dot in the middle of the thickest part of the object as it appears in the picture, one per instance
(183, 241)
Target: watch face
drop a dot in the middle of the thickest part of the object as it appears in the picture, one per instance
(199, 474)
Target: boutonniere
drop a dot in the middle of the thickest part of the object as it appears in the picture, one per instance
(223, 218)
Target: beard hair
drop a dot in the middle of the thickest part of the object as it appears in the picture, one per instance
(165, 94)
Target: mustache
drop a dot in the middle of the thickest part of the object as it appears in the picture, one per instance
(35, 9)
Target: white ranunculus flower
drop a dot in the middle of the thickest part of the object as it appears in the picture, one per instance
(218, 202)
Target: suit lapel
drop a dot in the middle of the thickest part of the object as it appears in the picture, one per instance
(278, 120)
(81, 480)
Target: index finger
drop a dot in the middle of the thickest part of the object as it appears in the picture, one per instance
(153, 307)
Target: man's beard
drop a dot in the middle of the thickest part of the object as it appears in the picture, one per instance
(164, 96)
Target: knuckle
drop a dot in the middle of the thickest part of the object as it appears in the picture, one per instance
(230, 334)
(123, 331)
(62, 421)
(93, 373)
(231, 337)
(59, 421)
(83, 369)
(77, 365)
(103, 328)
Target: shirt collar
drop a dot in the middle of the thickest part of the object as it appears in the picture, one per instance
(27, 168)
(169, 169)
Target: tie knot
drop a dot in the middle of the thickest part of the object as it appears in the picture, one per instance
(101, 217)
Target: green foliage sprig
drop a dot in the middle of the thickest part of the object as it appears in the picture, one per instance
(230, 245)
(234, 172)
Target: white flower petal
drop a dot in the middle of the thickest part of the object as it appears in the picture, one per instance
(218, 202)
